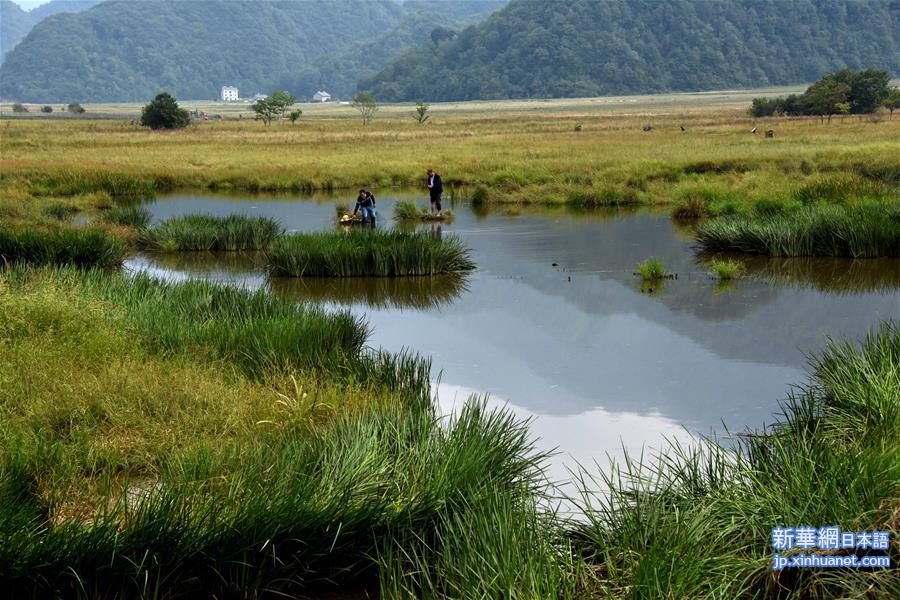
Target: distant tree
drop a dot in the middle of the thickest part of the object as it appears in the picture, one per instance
(863, 91)
(763, 107)
(365, 103)
(19, 107)
(266, 109)
(294, 115)
(825, 95)
(892, 101)
(46, 109)
(868, 88)
(163, 112)
(842, 108)
(281, 101)
(421, 112)
(75, 108)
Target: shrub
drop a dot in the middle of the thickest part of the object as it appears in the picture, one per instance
(75, 108)
(46, 109)
(19, 107)
(163, 113)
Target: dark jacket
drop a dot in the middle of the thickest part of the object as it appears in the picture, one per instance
(367, 202)
(437, 187)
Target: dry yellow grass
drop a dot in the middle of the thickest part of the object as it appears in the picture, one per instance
(522, 154)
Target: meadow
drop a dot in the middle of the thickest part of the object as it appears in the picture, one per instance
(697, 157)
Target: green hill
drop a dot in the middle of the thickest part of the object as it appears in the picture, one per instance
(15, 23)
(565, 48)
(340, 71)
(123, 50)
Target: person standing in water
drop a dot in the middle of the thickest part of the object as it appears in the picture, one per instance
(435, 189)
(366, 202)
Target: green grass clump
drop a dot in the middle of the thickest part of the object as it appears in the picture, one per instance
(691, 206)
(695, 521)
(65, 246)
(726, 269)
(371, 253)
(857, 231)
(652, 268)
(253, 330)
(134, 216)
(205, 232)
(407, 210)
(58, 210)
(841, 189)
(296, 510)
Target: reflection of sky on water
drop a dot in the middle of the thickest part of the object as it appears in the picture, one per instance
(591, 437)
(578, 344)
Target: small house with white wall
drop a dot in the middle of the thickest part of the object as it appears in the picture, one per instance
(230, 94)
(321, 96)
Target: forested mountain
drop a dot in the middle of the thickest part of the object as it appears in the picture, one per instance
(559, 48)
(122, 50)
(340, 71)
(15, 23)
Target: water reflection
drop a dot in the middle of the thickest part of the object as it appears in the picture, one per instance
(421, 293)
(833, 275)
(555, 321)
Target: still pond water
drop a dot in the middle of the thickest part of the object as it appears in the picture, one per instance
(600, 362)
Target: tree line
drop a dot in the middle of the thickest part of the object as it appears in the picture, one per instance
(843, 92)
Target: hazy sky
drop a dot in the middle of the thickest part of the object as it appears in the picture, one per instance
(29, 4)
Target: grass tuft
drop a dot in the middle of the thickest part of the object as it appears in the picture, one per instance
(652, 268)
(205, 232)
(407, 210)
(134, 216)
(66, 246)
(857, 231)
(726, 269)
(368, 253)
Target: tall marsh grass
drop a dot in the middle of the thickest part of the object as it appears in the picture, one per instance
(695, 521)
(62, 246)
(206, 232)
(351, 505)
(857, 231)
(253, 330)
(372, 253)
(134, 216)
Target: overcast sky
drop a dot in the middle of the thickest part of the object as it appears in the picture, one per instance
(29, 4)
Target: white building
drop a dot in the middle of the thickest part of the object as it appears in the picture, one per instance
(230, 94)
(258, 96)
(321, 96)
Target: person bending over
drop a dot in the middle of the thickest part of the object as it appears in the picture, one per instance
(366, 203)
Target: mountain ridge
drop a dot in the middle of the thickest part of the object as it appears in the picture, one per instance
(540, 49)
